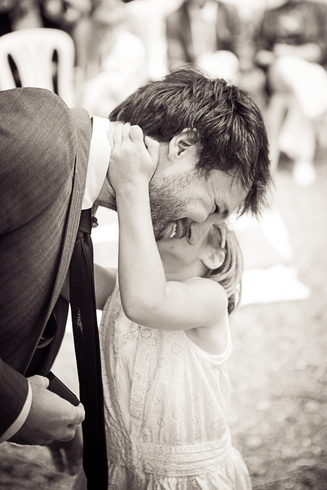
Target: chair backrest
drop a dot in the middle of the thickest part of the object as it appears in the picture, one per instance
(40, 57)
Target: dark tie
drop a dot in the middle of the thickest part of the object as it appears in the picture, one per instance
(86, 338)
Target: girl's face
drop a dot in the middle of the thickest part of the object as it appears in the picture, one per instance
(182, 261)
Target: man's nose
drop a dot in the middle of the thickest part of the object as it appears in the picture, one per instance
(197, 231)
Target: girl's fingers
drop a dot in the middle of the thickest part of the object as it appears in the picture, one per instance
(136, 134)
(117, 135)
(125, 132)
(153, 148)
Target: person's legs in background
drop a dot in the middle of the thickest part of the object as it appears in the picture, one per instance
(299, 98)
(297, 140)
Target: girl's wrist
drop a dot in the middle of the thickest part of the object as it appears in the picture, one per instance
(133, 192)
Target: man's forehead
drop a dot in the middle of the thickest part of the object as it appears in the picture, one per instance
(228, 190)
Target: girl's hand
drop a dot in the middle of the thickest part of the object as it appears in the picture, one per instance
(133, 160)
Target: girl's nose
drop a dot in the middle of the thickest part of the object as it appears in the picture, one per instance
(197, 231)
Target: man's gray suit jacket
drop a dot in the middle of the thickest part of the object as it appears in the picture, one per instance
(44, 149)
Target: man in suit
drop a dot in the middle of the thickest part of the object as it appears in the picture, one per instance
(213, 159)
(204, 33)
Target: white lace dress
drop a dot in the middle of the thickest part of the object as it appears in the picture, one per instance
(166, 403)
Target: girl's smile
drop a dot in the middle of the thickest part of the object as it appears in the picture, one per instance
(182, 260)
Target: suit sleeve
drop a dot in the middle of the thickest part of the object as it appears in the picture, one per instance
(13, 393)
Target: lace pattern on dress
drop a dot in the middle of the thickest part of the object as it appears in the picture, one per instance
(178, 438)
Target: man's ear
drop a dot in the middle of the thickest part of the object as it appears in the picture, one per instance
(214, 258)
(180, 144)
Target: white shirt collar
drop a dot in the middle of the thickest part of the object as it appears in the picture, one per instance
(98, 161)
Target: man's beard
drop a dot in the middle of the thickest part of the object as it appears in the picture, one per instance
(169, 198)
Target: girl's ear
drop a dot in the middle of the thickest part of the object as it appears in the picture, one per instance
(181, 144)
(214, 258)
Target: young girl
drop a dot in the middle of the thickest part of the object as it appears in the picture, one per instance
(164, 341)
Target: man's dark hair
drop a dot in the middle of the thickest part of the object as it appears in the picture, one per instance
(230, 133)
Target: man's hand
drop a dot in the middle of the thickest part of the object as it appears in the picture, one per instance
(51, 418)
(68, 455)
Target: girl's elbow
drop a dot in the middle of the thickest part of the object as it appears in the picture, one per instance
(138, 311)
(133, 311)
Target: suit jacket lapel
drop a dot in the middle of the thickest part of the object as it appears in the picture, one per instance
(83, 124)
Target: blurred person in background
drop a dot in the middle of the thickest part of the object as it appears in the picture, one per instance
(205, 33)
(115, 62)
(19, 14)
(71, 16)
(292, 50)
(147, 20)
(251, 77)
(64, 14)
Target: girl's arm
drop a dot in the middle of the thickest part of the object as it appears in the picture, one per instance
(147, 297)
(104, 283)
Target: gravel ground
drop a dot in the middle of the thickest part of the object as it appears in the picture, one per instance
(277, 368)
(278, 365)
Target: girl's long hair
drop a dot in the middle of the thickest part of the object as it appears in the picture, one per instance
(229, 274)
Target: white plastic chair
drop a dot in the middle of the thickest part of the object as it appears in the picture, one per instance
(32, 51)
